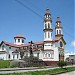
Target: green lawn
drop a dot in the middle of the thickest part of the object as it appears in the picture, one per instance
(53, 71)
(4, 63)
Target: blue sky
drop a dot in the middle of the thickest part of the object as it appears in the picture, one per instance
(16, 19)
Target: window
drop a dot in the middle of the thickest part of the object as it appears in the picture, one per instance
(45, 34)
(13, 56)
(17, 55)
(45, 26)
(18, 40)
(48, 25)
(51, 34)
(15, 40)
(22, 41)
(9, 56)
(59, 31)
(52, 54)
(48, 55)
(9, 47)
(38, 55)
(61, 45)
(26, 54)
(48, 16)
(48, 34)
(3, 47)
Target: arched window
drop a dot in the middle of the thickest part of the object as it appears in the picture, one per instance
(48, 25)
(59, 31)
(45, 26)
(61, 44)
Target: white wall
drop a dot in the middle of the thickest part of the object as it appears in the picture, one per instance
(9, 51)
(55, 56)
(18, 43)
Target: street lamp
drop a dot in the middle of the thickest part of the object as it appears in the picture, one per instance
(31, 45)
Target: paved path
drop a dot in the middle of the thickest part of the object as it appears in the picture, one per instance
(18, 70)
(68, 73)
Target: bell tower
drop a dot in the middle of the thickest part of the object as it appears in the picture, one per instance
(47, 30)
(58, 28)
(19, 39)
(47, 26)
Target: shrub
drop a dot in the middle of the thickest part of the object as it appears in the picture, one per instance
(33, 61)
(17, 63)
(61, 64)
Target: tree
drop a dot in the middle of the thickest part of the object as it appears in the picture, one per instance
(62, 64)
(21, 54)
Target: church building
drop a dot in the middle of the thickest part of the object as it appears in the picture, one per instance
(50, 49)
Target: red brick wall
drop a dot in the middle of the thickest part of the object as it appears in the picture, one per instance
(51, 63)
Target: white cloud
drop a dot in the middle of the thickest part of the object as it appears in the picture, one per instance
(73, 43)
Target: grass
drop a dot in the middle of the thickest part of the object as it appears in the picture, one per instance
(52, 71)
(4, 63)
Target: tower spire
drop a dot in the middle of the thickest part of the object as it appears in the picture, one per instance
(47, 26)
(58, 28)
(47, 30)
(47, 16)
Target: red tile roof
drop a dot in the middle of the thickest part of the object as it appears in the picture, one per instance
(38, 43)
(10, 44)
(18, 46)
(56, 39)
(33, 50)
(20, 36)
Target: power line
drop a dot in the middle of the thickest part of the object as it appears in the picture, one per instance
(53, 25)
(37, 14)
(28, 8)
(34, 5)
(68, 34)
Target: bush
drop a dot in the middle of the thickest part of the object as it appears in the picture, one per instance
(61, 64)
(17, 63)
(33, 61)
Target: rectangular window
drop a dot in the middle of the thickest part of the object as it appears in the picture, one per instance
(9, 47)
(48, 55)
(15, 40)
(38, 55)
(18, 40)
(17, 55)
(48, 25)
(45, 26)
(52, 54)
(22, 41)
(48, 34)
(9, 56)
(26, 54)
(45, 34)
(13, 56)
